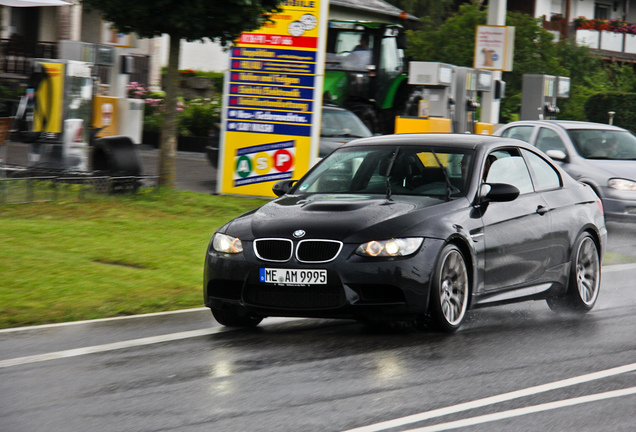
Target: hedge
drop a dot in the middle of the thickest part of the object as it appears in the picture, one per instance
(599, 105)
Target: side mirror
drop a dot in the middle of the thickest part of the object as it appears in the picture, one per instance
(557, 155)
(498, 192)
(281, 187)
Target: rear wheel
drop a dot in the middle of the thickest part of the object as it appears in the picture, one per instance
(449, 290)
(233, 316)
(585, 278)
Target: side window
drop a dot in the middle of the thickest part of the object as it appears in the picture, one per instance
(547, 139)
(522, 133)
(545, 177)
(510, 168)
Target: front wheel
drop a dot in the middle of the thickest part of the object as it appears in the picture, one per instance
(585, 278)
(233, 316)
(449, 290)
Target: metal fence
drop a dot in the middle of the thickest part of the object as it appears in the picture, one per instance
(22, 187)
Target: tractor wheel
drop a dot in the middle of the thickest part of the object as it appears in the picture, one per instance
(412, 103)
(367, 114)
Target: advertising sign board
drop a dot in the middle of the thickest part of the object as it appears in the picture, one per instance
(494, 47)
(272, 100)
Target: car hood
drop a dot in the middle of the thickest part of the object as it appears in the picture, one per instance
(615, 168)
(354, 218)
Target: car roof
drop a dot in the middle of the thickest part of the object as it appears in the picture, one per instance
(567, 124)
(467, 141)
(334, 108)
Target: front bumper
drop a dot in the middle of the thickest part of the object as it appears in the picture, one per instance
(619, 205)
(357, 287)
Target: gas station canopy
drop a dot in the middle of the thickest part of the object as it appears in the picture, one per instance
(34, 3)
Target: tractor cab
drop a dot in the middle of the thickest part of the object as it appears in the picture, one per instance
(364, 69)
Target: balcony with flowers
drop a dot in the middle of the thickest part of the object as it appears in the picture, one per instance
(614, 36)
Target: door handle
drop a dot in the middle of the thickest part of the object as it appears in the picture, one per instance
(542, 210)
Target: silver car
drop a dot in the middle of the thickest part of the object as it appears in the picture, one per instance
(600, 155)
(339, 126)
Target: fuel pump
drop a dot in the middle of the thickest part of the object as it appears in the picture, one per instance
(466, 97)
(54, 114)
(437, 107)
(484, 83)
(539, 96)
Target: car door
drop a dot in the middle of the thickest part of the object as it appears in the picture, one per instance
(547, 182)
(517, 234)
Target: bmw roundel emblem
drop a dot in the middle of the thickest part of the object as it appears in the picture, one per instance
(299, 233)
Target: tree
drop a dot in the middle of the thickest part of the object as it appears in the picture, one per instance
(221, 21)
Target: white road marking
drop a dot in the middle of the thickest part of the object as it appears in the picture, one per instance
(108, 347)
(127, 317)
(495, 399)
(526, 410)
(125, 344)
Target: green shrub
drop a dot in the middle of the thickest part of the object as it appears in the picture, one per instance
(198, 116)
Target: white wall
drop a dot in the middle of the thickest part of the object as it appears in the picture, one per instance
(204, 56)
(48, 23)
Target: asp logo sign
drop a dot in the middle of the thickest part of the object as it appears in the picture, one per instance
(264, 163)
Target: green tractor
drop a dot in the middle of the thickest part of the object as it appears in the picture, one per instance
(365, 73)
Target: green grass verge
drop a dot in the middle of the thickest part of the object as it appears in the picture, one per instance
(612, 258)
(108, 256)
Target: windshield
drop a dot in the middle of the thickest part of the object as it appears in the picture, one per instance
(411, 171)
(349, 49)
(341, 123)
(604, 144)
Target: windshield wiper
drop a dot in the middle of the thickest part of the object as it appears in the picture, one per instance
(449, 186)
(388, 171)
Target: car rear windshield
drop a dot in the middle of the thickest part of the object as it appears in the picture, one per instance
(425, 171)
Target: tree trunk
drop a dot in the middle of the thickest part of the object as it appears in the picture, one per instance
(167, 154)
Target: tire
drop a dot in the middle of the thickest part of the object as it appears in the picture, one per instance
(367, 114)
(117, 156)
(450, 290)
(411, 106)
(232, 316)
(585, 279)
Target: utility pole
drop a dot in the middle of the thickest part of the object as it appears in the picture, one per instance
(490, 105)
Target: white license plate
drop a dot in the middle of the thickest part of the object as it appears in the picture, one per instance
(293, 276)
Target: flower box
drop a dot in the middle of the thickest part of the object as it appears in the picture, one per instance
(611, 41)
(589, 38)
(630, 43)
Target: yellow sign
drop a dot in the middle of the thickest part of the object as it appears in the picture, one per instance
(272, 104)
(49, 95)
(105, 115)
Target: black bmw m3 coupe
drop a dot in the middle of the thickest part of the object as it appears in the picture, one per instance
(417, 227)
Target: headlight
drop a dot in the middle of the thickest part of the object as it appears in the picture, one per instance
(622, 184)
(390, 248)
(226, 244)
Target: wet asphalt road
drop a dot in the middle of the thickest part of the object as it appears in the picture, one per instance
(182, 372)
(504, 370)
